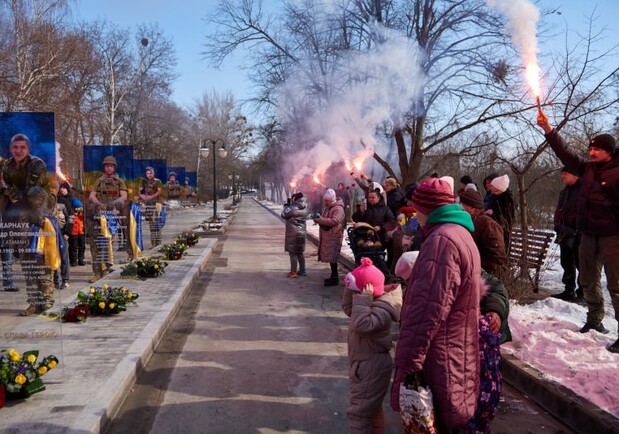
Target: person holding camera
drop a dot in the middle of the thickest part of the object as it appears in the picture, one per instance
(295, 214)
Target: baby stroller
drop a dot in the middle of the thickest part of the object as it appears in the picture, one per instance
(365, 242)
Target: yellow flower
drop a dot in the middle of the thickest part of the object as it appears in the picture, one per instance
(42, 370)
(130, 296)
(112, 305)
(20, 379)
(123, 289)
(52, 364)
(155, 266)
(102, 305)
(105, 286)
(31, 358)
(14, 355)
(92, 290)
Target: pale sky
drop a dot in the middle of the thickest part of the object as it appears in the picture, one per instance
(182, 21)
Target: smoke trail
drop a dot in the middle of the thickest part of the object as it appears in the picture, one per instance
(522, 21)
(367, 90)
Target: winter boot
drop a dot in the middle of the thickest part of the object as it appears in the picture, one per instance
(332, 281)
(598, 328)
(567, 295)
(614, 348)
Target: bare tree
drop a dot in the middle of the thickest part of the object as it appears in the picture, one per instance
(135, 66)
(216, 117)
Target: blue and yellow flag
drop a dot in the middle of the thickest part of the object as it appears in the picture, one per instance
(45, 242)
(135, 230)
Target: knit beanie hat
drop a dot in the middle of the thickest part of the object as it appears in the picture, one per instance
(76, 203)
(65, 185)
(329, 195)
(472, 198)
(466, 179)
(409, 192)
(404, 266)
(149, 168)
(364, 274)
(501, 183)
(449, 181)
(471, 186)
(570, 171)
(605, 142)
(432, 193)
(297, 196)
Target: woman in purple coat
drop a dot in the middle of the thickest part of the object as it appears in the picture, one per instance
(438, 341)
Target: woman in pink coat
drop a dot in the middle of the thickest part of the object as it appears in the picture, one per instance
(332, 224)
(439, 321)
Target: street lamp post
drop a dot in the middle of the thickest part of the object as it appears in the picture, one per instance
(222, 153)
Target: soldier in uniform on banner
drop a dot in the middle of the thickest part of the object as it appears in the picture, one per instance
(107, 211)
(150, 195)
(26, 217)
(173, 187)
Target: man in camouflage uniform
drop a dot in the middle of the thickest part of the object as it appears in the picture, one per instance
(173, 187)
(187, 192)
(28, 204)
(150, 195)
(109, 193)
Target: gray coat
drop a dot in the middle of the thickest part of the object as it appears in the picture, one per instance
(295, 215)
(332, 224)
(369, 342)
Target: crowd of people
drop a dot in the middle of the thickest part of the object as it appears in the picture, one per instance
(445, 256)
(45, 223)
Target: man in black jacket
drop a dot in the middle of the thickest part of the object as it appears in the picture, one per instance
(598, 221)
(568, 236)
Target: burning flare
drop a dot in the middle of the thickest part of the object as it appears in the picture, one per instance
(61, 175)
(532, 74)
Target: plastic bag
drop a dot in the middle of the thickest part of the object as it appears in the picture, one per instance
(416, 410)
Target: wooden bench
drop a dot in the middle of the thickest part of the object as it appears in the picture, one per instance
(528, 251)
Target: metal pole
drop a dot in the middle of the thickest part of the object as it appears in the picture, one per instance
(214, 182)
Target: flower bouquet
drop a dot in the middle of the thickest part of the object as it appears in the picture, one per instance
(106, 300)
(189, 238)
(75, 314)
(21, 375)
(145, 267)
(174, 251)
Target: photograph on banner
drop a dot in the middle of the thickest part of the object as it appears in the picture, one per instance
(31, 251)
(151, 200)
(112, 240)
(189, 195)
(173, 184)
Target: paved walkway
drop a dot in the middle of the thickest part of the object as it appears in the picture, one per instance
(265, 353)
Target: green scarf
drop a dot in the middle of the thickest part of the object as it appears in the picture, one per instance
(452, 213)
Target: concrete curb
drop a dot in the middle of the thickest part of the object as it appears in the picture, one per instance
(128, 369)
(576, 412)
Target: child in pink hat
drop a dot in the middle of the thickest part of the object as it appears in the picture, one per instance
(372, 307)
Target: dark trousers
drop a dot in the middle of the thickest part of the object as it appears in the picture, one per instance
(569, 263)
(596, 252)
(77, 248)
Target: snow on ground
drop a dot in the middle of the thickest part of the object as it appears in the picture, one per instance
(545, 336)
